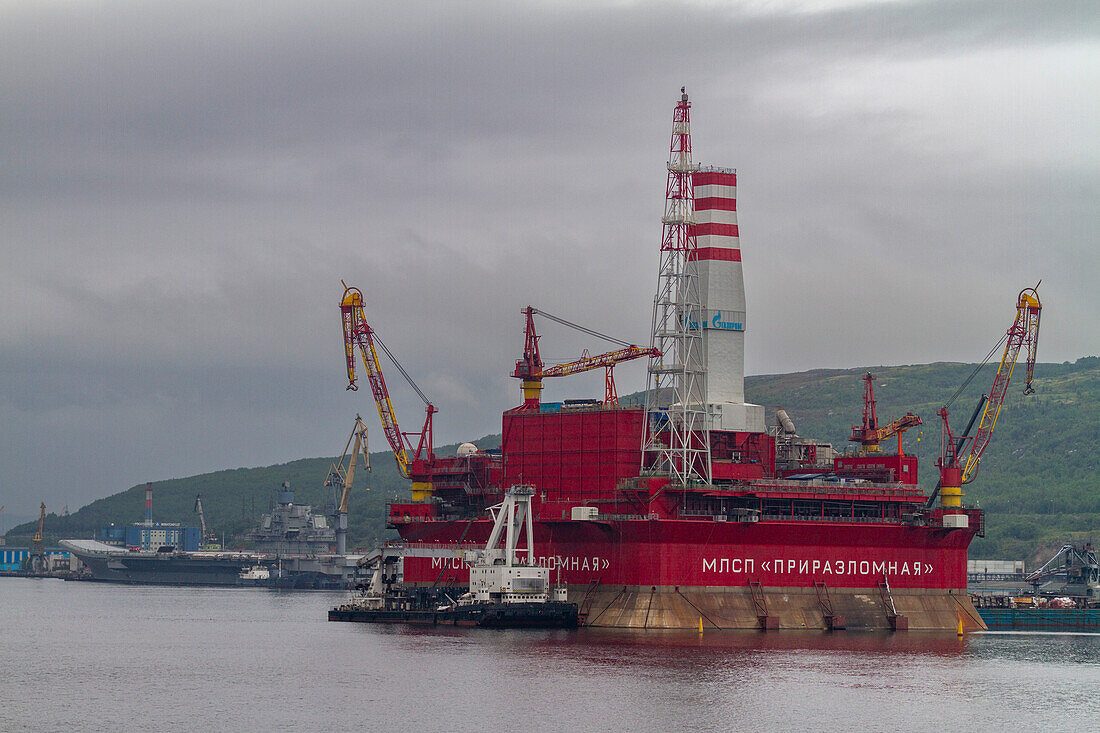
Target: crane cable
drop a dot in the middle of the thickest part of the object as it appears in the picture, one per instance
(977, 369)
(401, 369)
(589, 331)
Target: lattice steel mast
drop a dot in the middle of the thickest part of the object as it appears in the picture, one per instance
(677, 439)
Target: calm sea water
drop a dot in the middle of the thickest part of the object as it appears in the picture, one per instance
(97, 657)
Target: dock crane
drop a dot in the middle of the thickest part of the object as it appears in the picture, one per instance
(359, 334)
(38, 545)
(869, 434)
(37, 542)
(202, 517)
(207, 541)
(531, 370)
(341, 475)
(957, 469)
(1073, 571)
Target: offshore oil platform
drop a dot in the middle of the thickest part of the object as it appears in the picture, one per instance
(690, 511)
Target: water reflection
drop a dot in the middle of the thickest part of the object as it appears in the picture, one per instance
(673, 645)
(246, 660)
(738, 680)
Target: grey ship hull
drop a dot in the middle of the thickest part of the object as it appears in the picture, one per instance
(163, 568)
(111, 564)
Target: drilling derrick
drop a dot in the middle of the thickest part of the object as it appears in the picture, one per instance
(676, 441)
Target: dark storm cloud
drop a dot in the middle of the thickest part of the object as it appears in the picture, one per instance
(184, 185)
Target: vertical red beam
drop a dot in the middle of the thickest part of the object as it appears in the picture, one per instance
(678, 235)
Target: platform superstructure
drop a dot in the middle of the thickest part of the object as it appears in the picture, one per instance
(688, 511)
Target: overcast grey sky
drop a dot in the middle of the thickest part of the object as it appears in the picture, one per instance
(183, 186)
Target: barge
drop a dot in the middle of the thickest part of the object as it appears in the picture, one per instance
(506, 587)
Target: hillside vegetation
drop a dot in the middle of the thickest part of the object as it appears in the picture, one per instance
(1039, 480)
(233, 500)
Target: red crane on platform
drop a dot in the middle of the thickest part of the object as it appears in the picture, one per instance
(532, 371)
(955, 472)
(869, 434)
(358, 333)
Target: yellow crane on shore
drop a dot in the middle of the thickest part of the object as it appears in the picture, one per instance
(342, 474)
(38, 545)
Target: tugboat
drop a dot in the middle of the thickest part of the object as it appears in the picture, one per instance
(507, 589)
(255, 575)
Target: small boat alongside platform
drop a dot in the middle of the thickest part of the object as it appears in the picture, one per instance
(547, 615)
(507, 589)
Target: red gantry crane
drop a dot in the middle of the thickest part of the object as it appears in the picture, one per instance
(956, 467)
(532, 371)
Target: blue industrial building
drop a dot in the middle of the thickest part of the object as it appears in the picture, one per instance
(113, 534)
(11, 558)
(152, 536)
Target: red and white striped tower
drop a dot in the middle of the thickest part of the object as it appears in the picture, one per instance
(716, 261)
(148, 504)
(677, 440)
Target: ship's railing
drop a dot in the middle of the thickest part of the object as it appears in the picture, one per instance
(456, 545)
(826, 487)
(736, 515)
(615, 517)
(787, 486)
(927, 521)
(982, 577)
(403, 519)
(819, 518)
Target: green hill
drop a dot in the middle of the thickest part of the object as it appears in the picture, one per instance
(1039, 480)
(234, 499)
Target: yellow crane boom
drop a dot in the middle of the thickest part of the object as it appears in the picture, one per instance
(357, 332)
(954, 473)
(1024, 329)
(37, 542)
(342, 474)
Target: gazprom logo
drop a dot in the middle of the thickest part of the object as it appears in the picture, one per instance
(717, 322)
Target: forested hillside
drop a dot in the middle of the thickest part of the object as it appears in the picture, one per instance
(233, 500)
(1039, 480)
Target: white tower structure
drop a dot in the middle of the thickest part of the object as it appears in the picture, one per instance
(716, 262)
(676, 442)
